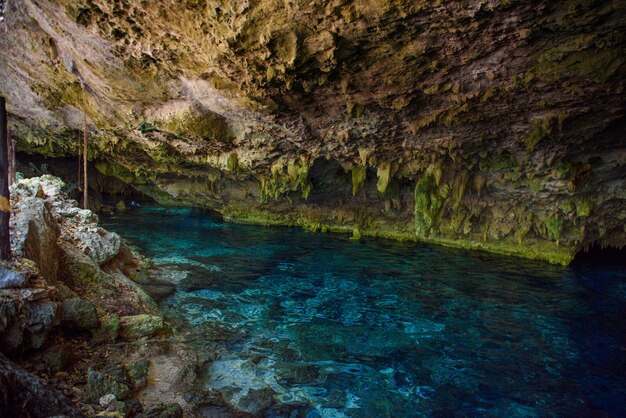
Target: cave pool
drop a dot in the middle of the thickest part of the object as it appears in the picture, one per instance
(299, 324)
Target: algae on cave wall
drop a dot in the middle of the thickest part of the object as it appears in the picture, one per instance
(494, 125)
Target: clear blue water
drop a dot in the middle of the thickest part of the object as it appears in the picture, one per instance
(337, 328)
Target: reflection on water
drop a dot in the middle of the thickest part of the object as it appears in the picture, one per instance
(301, 324)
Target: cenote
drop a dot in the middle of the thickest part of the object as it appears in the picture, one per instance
(293, 323)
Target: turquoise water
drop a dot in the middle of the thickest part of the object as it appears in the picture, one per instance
(332, 327)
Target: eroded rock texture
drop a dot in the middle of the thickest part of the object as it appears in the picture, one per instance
(483, 123)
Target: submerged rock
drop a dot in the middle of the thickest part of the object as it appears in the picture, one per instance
(158, 292)
(245, 386)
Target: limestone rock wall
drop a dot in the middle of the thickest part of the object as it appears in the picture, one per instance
(484, 124)
(74, 317)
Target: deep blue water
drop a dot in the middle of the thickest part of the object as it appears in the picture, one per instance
(336, 327)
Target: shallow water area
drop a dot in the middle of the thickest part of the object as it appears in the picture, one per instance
(301, 324)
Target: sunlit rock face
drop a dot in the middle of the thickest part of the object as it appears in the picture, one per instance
(483, 123)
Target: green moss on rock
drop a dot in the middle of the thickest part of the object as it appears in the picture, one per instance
(554, 227)
(583, 208)
(359, 174)
(428, 202)
(384, 176)
(286, 179)
(143, 325)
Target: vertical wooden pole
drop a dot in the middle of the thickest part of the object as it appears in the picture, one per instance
(5, 205)
(85, 160)
(79, 176)
(12, 164)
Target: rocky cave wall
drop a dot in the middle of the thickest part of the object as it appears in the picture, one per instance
(483, 123)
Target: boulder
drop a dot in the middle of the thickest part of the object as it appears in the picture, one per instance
(79, 314)
(99, 244)
(13, 279)
(143, 325)
(35, 235)
(25, 395)
(138, 374)
(26, 317)
(12, 321)
(133, 407)
(86, 216)
(55, 358)
(17, 273)
(169, 410)
(42, 317)
(109, 329)
(113, 381)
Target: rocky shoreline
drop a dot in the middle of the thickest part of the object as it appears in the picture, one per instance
(78, 335)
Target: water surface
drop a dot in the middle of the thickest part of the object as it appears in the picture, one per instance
(330, 327)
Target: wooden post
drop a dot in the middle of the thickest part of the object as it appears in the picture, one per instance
(79, 147)
(11, 152)
(85, 161)
(5, 205)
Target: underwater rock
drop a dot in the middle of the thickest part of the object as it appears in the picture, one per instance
(158, 292)
(246, 387)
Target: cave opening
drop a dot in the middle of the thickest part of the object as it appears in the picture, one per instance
(104, 191)
(597, 255)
